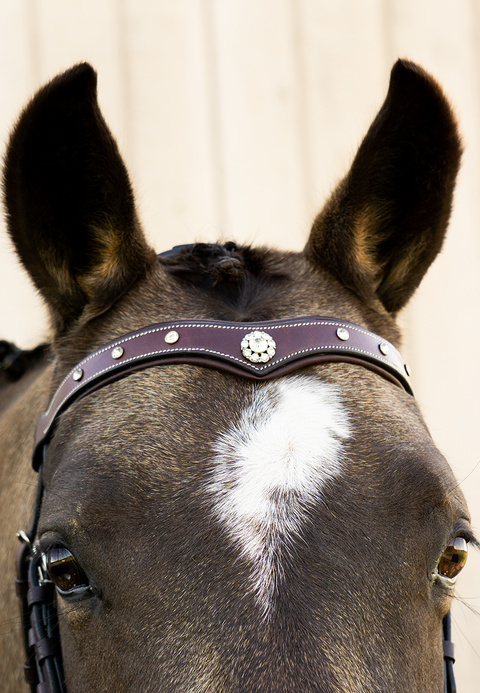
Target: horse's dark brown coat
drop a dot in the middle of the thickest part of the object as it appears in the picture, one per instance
(127, 468)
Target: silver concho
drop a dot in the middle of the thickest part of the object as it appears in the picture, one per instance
(258, 347)
(343, 334)
(77, 374)
(117, 353)
(172, 337)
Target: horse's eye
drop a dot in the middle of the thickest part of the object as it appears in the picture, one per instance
(63, 570)
(453, 558)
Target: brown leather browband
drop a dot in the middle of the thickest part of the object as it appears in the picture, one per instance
(224, 346)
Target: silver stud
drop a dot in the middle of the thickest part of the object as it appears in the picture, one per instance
(117, 352)
(342, 334)
(172, 337)
(384, 348)
(77, 374)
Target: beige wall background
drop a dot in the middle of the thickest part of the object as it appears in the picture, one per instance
(236, 117)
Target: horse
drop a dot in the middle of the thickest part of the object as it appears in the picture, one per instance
(237, 490)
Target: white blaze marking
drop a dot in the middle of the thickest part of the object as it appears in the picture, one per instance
(272, 466)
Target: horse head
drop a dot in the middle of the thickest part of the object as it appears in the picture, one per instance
(209, 531)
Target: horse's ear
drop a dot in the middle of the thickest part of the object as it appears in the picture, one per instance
(70, 205)
(386, 221)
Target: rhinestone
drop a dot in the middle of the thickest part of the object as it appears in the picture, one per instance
(258, 343)
(117, 352)
(258, 346)
(172, 337)
(384, 348)
(342, 334)
(77, 374)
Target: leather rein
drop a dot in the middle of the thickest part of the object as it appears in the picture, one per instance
(257, 351)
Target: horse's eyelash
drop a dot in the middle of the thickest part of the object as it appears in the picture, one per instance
(472, 539)
(46, 545)
(469, 537)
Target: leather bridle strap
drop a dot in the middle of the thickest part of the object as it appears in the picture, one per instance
(225, 346)
(43, 667)
(448, 656)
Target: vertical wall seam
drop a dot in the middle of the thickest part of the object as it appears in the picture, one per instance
(387, 23)
(33, 31)
(475, 14)
(303, 135)
(214, 116)
(475, 86)
(123, 57)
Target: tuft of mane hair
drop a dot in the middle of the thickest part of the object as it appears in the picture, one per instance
(213, 263)
(242, 282)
